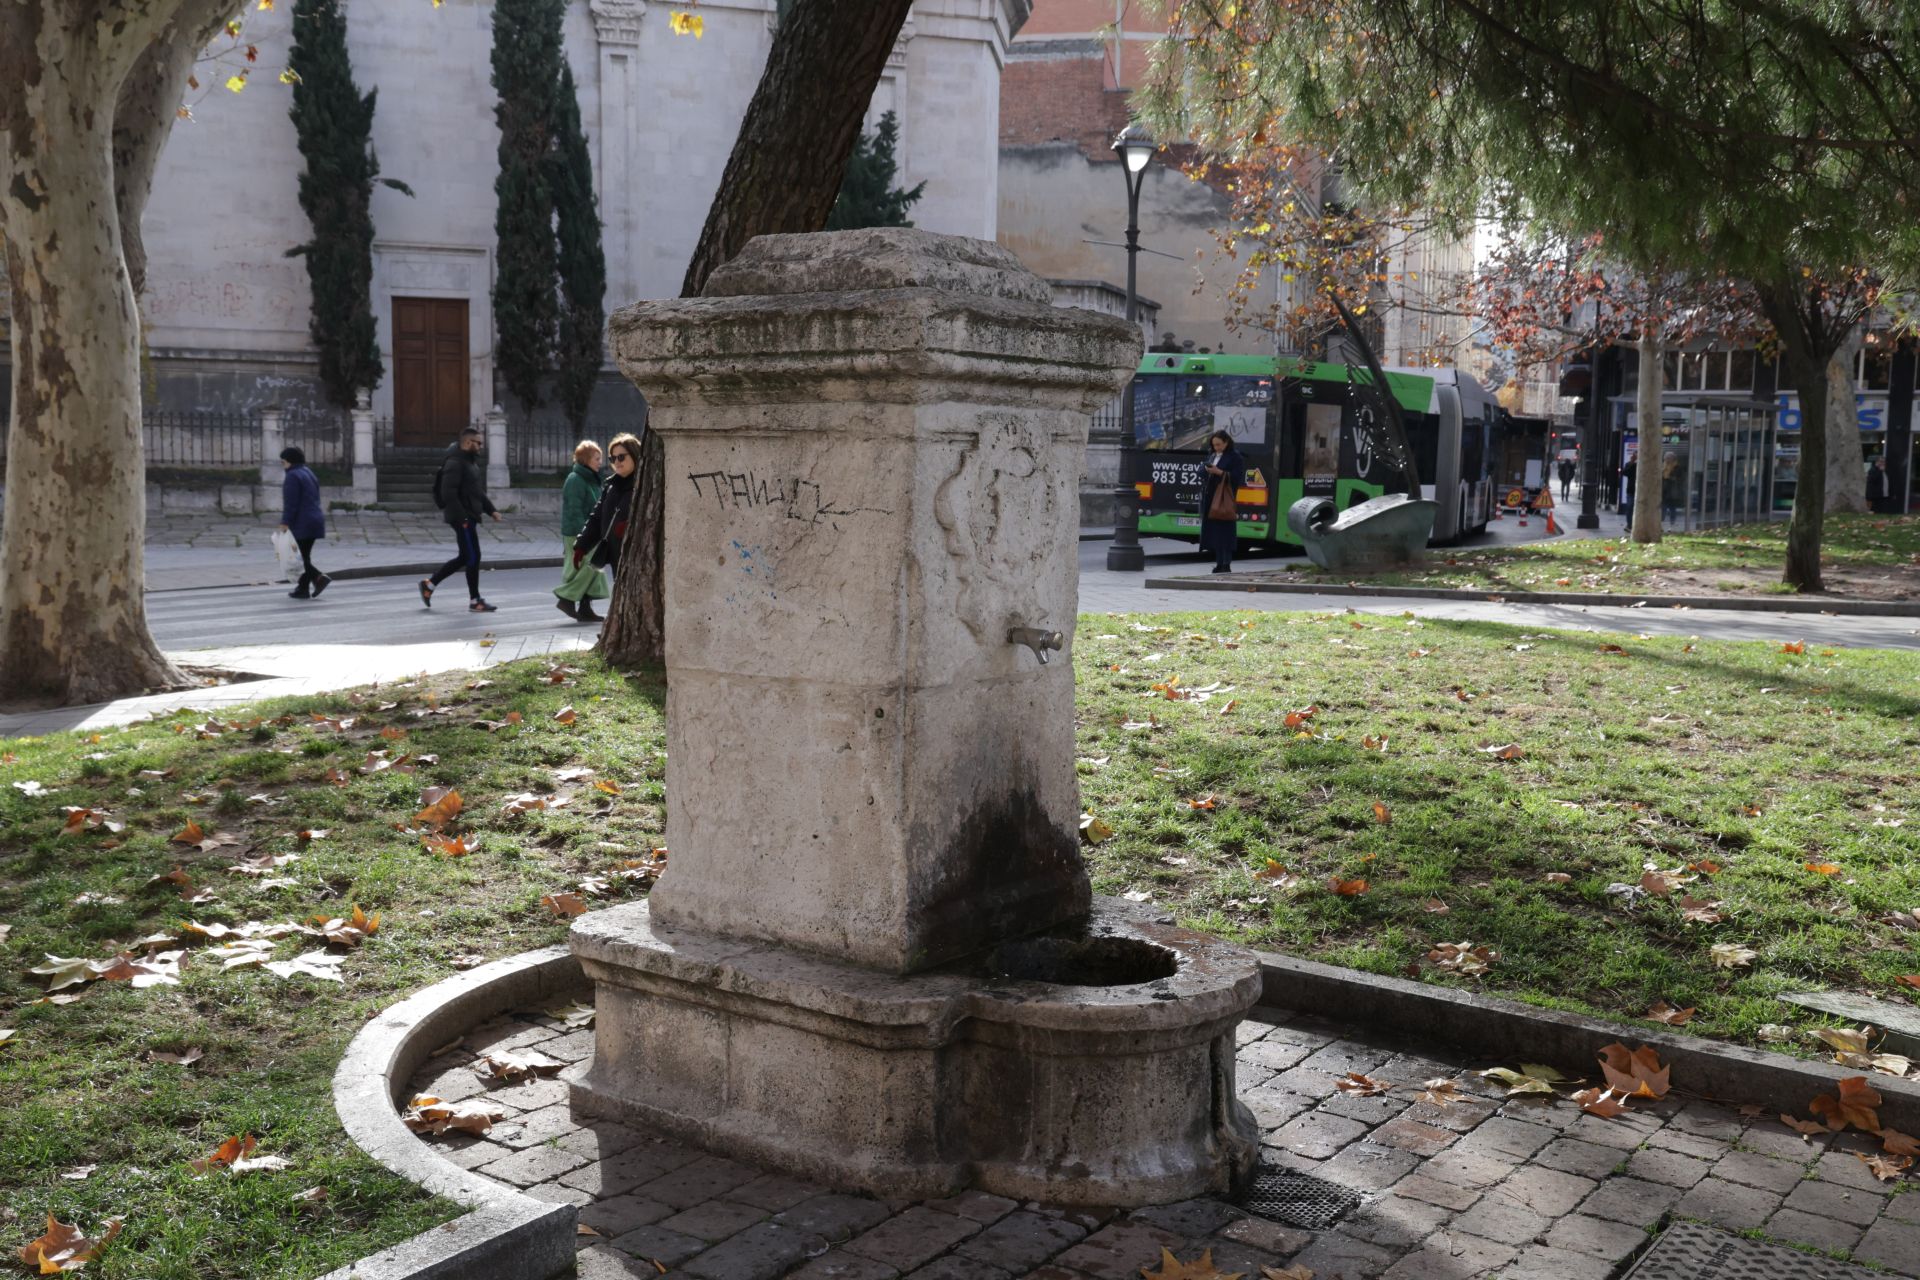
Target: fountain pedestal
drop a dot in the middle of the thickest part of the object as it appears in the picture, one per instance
(872, 960)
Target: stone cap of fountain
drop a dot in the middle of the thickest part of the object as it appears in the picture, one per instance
(876, 258)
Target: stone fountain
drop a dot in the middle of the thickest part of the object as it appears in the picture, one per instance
(876, 960)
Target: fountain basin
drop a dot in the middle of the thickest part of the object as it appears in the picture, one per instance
(1110, 1092)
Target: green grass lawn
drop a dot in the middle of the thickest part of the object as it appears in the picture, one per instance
(1740, 559)
(1741, 761)
(76, 1085)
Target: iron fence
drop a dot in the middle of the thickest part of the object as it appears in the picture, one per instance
(544, 450)
(324, 433)
(201, 441)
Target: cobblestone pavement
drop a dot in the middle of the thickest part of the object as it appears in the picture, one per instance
(1486, 1186)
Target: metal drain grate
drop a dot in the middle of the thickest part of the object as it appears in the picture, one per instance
(1689, 1251)
(1297, 1200)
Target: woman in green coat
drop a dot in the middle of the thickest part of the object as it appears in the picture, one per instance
(581, 582)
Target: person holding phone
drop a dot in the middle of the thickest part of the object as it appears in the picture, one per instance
(1226, 471)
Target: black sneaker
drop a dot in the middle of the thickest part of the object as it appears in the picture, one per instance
(320, 584)
(567, 607)
(298, 595)
(585, 613)
(480, 606)
(426, 592)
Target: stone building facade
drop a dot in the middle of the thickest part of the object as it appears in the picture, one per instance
(227, 311)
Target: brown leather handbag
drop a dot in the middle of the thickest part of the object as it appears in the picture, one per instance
(1221, 506)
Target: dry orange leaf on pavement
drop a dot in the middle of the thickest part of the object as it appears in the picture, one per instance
(1898, 1143)
(1637, 1074)
(1361, 1086)
(428, 1114)
(451, 847)
(1381, 813)
(1604, 1103)
(1886, 1168)
(441, 806)
(564, 904)
(1201, 1268)
(65, 1247)
(1439, 1092)
(1856, 1105)
(1346, 888)
(1664, 1012)
(1805, 1128)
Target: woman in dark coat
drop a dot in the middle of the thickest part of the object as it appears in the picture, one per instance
(606, 528)
(300, 515)
(1227, 469)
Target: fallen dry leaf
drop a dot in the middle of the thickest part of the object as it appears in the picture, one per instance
(1886, 1168)
(1824, 868)
(1898, 1143)
(1508, 751)
(1361, 1086)
(1439, 1092)
(1856, 1104)
(1699, 911)
(322, 965)
(1557, 877)
(1435, 907)
(440, 805)
(65, 1247)
(564, 904)
(1532, 1077)
(1731, 955)
(184, 1058)
(428, 1114)
(1637, 1074)
(1093, 830)
(509, 1067)
(1463, 957)
(1805, 1128)
(189, 834)
(1201, 1268)
(1664, 1012)
(450, 847)
(1604, 1103)
(1346, 888)
(1381, 813)
(1843, 1039)
(565, 715)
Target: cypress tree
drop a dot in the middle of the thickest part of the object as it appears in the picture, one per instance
(334, 123)
(582, 263)
(527, 59)
(867, 196)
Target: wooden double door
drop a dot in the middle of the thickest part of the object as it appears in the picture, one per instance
(430, 370)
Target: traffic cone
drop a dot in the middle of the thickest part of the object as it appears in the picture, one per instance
(1552, 528)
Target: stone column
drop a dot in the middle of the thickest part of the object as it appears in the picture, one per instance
(499, 478)
(616, 30)
(272, 440)
(366, 480)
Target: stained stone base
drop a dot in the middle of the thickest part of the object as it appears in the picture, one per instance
(922, 1085)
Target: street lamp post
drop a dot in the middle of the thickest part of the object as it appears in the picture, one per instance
(1135, 147)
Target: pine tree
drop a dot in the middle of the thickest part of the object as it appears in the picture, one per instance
(334, 123)
(582, 263)
(868, 197)
(527, 59)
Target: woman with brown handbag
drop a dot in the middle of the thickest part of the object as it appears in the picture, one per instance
(1219, 513)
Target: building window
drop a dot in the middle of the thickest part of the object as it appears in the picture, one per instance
(1875, 369)
(1740, 371)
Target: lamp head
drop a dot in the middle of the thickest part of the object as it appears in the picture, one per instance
(1136, 146)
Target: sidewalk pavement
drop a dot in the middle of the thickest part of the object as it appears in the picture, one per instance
(190, 552)
(1526, 1188)
(187, 552)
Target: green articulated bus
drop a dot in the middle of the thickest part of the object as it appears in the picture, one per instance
(1306, 433)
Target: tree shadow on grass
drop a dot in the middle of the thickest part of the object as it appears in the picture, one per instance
(1856, 697)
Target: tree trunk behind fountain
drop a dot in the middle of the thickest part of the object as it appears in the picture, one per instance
(875, 959)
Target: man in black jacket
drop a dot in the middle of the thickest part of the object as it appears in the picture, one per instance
(461, 490)
(1880, 489)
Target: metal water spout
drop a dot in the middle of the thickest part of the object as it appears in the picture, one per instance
(1038, 639)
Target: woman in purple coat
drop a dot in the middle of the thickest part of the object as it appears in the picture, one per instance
(300, 516)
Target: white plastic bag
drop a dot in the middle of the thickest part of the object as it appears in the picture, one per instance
(291, 566)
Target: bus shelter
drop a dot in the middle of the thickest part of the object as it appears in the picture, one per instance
(1720, 465)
